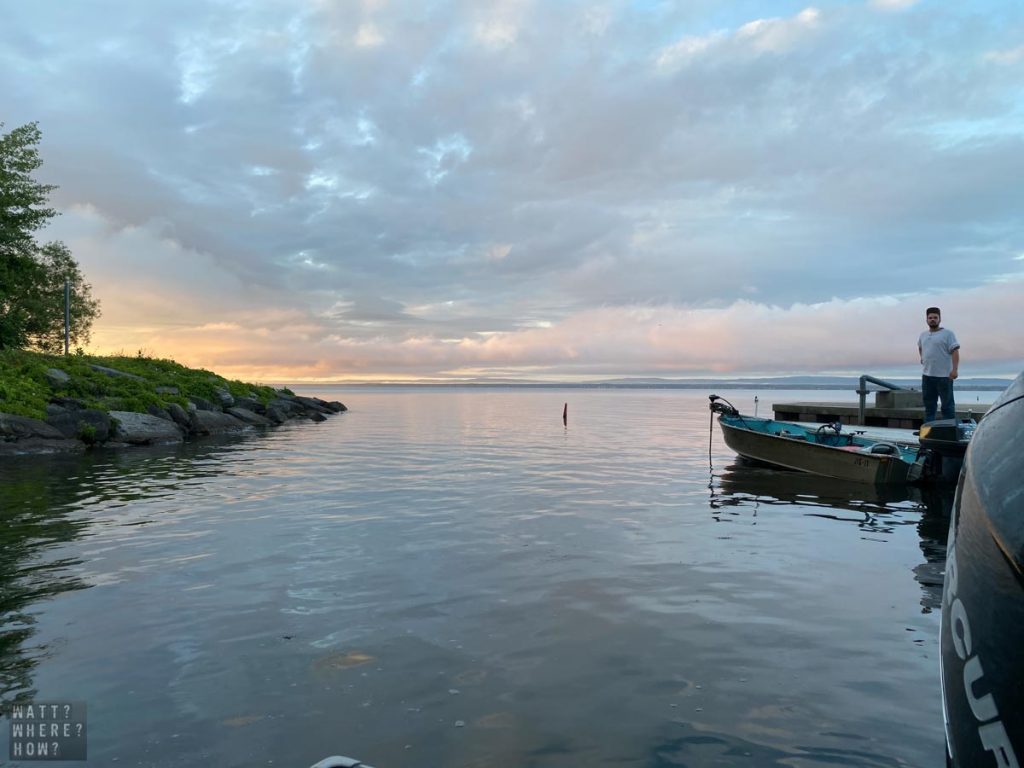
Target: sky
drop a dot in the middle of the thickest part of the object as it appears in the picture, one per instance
(556, 190)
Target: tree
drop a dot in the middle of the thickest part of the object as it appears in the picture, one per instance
(32, 275)
(47, 330)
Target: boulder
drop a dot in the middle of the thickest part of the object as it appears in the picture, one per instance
(87, 424)
(215, 422)
(57, 377)
(276, 414)
(249, 417)
(180, 417)
(159, 412)
(22, 427)
(202, 404)
(337, 407)
(54, 409)
(250, 404)
(114, 372)
(167, 391)
(316, 416)
(144, 428)
(226, 398)
(94, 426)
(313, 404)
(287, 405)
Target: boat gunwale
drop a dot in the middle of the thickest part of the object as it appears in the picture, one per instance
(902, 445)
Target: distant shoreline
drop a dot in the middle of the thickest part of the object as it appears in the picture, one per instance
(709, 385)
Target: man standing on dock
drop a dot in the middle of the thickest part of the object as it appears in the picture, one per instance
(940, 356)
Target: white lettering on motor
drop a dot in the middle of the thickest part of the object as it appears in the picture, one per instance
(961, 629)
(992, 734)
(994, 739)
(984, 708)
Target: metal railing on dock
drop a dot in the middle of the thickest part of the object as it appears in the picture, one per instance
(863, 391)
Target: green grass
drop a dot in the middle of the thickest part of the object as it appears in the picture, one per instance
(25, 389)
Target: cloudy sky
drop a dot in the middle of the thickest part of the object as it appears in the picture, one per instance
(544, 189)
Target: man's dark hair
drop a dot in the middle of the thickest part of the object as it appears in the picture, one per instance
(933, 310)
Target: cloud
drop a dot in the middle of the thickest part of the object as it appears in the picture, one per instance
(767, 35)
(179, 303)
(893, 5)
(498, 25)
(743, 338)
(1008, 56)
(478, 180)
(777, 35)
(687, 49)
(368, 36)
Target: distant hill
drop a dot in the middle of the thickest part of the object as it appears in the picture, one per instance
(789, 382)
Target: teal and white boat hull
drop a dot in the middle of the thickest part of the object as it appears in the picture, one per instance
(825, 451)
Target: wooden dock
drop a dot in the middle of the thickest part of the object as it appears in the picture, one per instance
(894, 410)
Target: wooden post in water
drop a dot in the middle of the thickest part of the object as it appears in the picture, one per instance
(565, 415)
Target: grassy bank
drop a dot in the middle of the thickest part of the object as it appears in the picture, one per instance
(27, 385)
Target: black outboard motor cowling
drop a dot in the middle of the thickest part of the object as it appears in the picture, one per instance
(945, 442)
(948, 437)
(722, 406)
(982, 633)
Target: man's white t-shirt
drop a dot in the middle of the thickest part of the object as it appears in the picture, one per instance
(936, 350)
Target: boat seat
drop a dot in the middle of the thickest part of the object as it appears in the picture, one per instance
(886, 449)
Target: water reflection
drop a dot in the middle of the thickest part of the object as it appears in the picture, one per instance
(363, 585)
(34, 520)
(742, 482)
(745, 487)
(47, 502)
(933, 529)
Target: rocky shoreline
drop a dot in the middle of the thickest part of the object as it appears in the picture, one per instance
(71, 426)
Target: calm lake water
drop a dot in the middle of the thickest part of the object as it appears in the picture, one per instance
(453, 578)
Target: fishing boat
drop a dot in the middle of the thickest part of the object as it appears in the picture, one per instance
(831, 451)
(983, 602)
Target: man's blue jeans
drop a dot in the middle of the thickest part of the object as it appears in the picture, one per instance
(933, 388)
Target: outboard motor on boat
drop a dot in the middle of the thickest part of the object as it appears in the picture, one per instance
(943, 445)
(982, 630)
(722, 406)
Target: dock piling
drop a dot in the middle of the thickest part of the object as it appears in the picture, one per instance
(863, 390)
